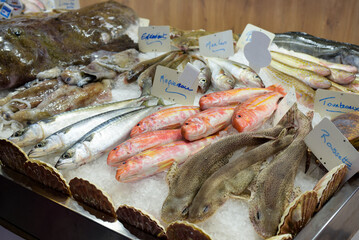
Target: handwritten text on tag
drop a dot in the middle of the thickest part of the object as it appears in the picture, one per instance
(154, 39)
(217, 45)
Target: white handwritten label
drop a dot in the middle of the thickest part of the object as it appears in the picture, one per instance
(332, 103)
(144, 22)
(285, 104)
(5, 11)
(246, 36)
(174, 86)
(217, 45)
(154, 39)
(67, 4)
(331, 147)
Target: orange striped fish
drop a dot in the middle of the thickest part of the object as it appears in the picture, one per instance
(168, 118)
(250, 114)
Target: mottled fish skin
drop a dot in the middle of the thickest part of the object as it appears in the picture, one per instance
(305, 94)
(232, 179)
(275, 182)
(101, 139)
(251, 114)
(158, 159)
(207, 122)
(341, 77)
(221, 80)
(168, 118)
(185, 182)
(230, 97)
(66, 137)
(36, 132)
(300, 63)
(311, 79)
(140, 143)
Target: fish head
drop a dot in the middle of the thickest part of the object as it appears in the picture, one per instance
(226, 82)
(193, 129)
(128, 171)
(27, 136)
(74, 157)
(47, 146)
(140, 127)
(254, 80)
(175, 208)
(242, 120)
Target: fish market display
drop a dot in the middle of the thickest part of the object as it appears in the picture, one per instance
(142, 142)
(332, 51)
(230, 97)
(158, 159)
(66, 137)
(185, 181)
(253, 112)
(221, 79)
(204, 77)
(206, 123)
(275, 182)
(232, 179)
(61, 39)
(36, 132)
(101, 139)
(168, 118)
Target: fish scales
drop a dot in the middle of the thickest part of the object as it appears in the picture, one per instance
(186, 181)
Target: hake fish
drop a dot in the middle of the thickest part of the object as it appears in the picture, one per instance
(36, 132)
(233, 178)
(101, 139)
(184, 182)
(275, 182)
(66, 137)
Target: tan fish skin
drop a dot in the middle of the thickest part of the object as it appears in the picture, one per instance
(300, 63)
(233, 178)
(310, 78)
(341, 76)
(187, 180)
(275, 183)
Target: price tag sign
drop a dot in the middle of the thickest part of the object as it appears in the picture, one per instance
(67, 4)
(285, 104)
(217, 45)
(154, 39)
(5, 11)
(246, 36)
(332, 103)
(174, 86)
(331, 147)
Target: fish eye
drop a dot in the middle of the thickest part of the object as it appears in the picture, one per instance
(40, 144)
(138, 124)
(68, 80)
(203, 80)
(239, 116)
(18, 133)
(67, 155)
(205, 209)
(258, 216)
(185, 211)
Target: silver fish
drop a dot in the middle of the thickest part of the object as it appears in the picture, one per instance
(204, 76)
(221, 80)
(66, 137)
(34, 133)
(101, 139)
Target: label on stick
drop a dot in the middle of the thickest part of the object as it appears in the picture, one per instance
(246, 36)
(174, 86)
(217, 45)
(332, 103)
(154, 39)
(285, 104)
(332, 148)
(5, 11)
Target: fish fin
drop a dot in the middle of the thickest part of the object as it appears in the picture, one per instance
(245, 195)
(171, 173)
(277, 88)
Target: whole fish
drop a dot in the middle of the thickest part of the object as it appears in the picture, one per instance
(253, 112)
(158, 159)
(311, 79)
(101, 139)
(66, 137)
(244, 74)
(121, 61)
(275, 182)
(304, 93)
(185, 181)
(142, 142)
(204, 77)
(35, 132)
(300, 63)
(207, 122)
(230, 97)
(66, 98)
(341, 76)
(221, 80)
(233, 178)
(168, 118)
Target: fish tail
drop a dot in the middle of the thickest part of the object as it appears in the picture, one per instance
(277, 88)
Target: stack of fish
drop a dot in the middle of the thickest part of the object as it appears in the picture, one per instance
(153, 149)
